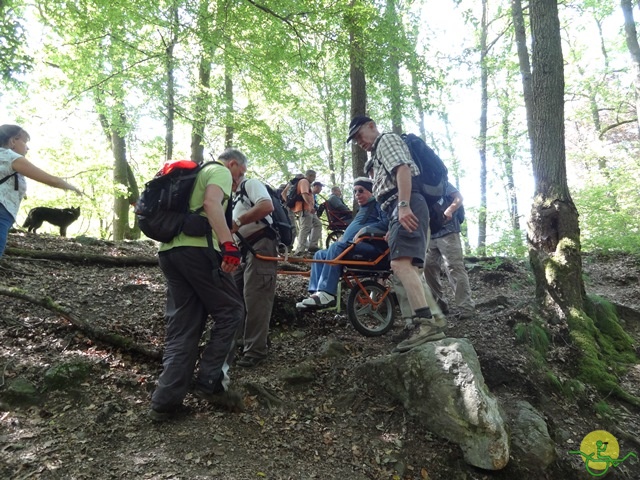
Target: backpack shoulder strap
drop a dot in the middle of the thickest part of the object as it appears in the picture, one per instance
(15, 180)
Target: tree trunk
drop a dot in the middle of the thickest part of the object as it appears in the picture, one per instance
(631, 35)
(358, 82)
(553, 230)
(201, 110)
(525, 66)
(482, 138)
(417, 100)
(394, 85)
(507, 154)
(171, 89)
(327, 109)
(121, 183)
(170, 106)
(229, 119)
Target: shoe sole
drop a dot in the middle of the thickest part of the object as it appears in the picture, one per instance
(254, 363)
(408, 345)
(222, 400)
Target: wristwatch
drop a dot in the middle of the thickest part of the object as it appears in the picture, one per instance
(403, 203)
(238, 222)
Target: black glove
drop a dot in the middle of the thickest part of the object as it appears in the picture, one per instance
(230, 253)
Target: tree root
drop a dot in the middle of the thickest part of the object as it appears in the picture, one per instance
(93, 332)
(84, 258)
(265, 396)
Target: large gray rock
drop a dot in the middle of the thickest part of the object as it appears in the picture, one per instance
(530, 440)
(440, 383)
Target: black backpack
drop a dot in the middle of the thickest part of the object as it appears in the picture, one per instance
(163, 207)
(433, 171)
(279, 217)
(292, 194)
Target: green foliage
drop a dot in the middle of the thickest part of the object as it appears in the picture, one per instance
(609, 216)
(14, 59)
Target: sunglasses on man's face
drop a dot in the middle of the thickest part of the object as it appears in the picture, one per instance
(358, 190)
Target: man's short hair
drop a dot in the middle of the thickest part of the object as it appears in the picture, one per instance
(317, 184)
(308, 173)
(233, 154)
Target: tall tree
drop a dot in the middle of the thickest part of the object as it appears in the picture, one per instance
(482, 137)
(357, 78)
(394, 84)
(631, 36)
(553, 231)
(170, 62)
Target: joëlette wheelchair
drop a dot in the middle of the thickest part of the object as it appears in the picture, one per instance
(371, 303)
(337, 222)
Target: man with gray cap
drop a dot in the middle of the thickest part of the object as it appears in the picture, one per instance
(396, 187)
(323, 284)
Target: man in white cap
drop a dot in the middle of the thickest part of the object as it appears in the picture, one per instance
(394, 174)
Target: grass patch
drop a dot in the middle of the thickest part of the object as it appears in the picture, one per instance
(534, 335)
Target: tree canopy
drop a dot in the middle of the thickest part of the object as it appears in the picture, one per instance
(127, 85)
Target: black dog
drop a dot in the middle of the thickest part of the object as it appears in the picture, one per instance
(61, 217)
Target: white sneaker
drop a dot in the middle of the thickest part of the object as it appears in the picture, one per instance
(319, 300)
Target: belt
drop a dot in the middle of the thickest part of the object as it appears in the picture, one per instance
(260, 234)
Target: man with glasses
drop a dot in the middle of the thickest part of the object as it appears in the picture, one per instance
(395, 177)
(323, 284)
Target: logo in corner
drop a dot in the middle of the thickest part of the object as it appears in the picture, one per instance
(600, 451)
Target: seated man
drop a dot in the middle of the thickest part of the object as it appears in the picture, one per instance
(323, 283)
(337, 210)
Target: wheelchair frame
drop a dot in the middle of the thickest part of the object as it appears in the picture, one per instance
(370, 305)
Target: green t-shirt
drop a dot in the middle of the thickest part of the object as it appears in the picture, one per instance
(210, 175)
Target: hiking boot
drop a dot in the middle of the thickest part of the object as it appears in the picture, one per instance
(227, 399)
(159, 416)
(429, 330)
(407, 330)
(466, 315)
(250, 362)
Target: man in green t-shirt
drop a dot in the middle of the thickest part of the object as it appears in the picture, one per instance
(199, 284)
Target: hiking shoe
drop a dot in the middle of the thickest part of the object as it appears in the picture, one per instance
(227, 399)
(409, 328)
(159, 416)
(466, 315)
(250, 362)
(429, 330)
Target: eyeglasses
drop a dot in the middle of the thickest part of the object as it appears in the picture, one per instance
(358, 190)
